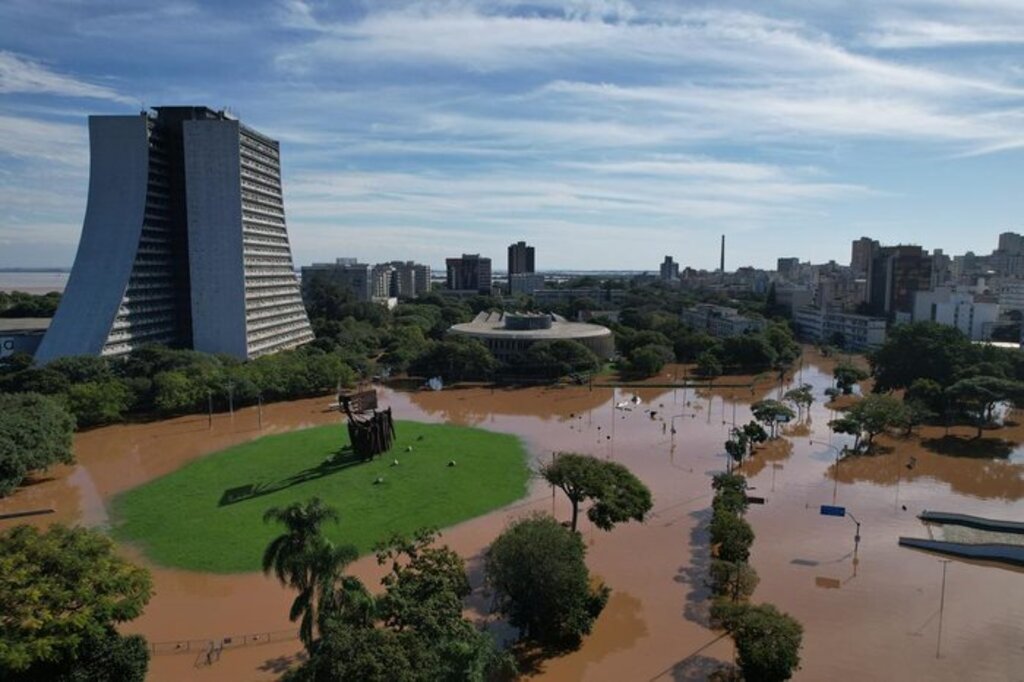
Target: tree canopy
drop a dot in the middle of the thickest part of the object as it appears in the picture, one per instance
(616, 493)
(61, 593)
(541, 583)
(35, 433)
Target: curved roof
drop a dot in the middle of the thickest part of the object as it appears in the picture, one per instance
(492, 325)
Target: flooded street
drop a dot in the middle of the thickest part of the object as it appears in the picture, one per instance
(873, 615)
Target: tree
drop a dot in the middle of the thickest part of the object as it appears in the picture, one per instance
(921, 350)
(730, 492)
(456, 358)
(915, 412)
(733, 579)
(755, 434)
(303, 559)
(541, 583)
(422, 601)
(61, 593)
(35, 433)
(979, 396)
(708, 365)
(748, 351)
(771, 413)
(98, 402)
(847, 376)
(736, 446)
(618, 495)
(767, 643)
(849, 426)
(732, 536)
(869, 417)
(802, 398)
(648, 360)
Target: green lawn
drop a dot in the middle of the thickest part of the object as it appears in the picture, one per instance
(208, 515)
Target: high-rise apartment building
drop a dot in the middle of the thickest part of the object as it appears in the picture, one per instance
(184, 242)
(895, 275)
(861, 253)
(469, 273)
(669, 269)
(409, 279)
(348, 274)
(520, 260)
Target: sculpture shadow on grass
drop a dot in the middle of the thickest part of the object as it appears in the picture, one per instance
(342, 459)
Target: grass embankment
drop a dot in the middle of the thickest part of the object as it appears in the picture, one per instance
(208, 515)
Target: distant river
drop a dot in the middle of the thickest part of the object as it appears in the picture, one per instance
(33, 282)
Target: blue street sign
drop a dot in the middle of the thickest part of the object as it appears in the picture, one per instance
(829, 510)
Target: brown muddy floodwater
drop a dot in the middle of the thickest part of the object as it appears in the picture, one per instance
(870, 616)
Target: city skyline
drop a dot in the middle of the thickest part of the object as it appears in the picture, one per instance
(572, 126)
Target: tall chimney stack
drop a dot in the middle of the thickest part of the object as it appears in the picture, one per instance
(721, 266)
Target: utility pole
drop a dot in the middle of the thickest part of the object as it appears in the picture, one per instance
(942, 606)
(209, 406)
(259, 403)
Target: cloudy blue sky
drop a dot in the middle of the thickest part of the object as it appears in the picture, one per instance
(606, 132)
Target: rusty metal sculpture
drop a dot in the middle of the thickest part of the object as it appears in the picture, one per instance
(370, 431)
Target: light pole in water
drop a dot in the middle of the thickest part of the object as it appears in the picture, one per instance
(835, 474)
(942, 606)
(259, 403)
(209, 406)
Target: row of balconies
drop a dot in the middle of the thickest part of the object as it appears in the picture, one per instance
(254, 183)
(269, 172)
(276, 339)
(278, 271)
(260, 212)
(257, 221)
(278, 243)
(262, 199)
(284, 342)
(262, 324)
(164, 331)
(266, 251)
(251, 294)
(253, 143)
(263, 303)
(248, 228)
(256, 157)
(134, 321)
(274, 311)
(271, 331)
(268, 283)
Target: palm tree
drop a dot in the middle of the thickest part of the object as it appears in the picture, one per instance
(321, 585)
(302, 522)
(303, 558)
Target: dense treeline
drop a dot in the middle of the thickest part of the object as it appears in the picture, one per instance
(155, 380)
(767, 641)
(648, 337)
(21, 304)
(944, 379)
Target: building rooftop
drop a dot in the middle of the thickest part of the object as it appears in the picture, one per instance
(24, 324)
(493, 324)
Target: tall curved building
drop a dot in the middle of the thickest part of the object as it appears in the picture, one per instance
(184, 242)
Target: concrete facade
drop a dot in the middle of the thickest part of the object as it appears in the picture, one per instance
(508, 335)
(719, 321)
(469, 273)
(184, 242)
(957, 308)
(859, 332)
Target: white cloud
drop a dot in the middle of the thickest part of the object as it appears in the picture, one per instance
(21, 75)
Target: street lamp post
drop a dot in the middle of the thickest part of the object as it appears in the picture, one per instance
(835, 475)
